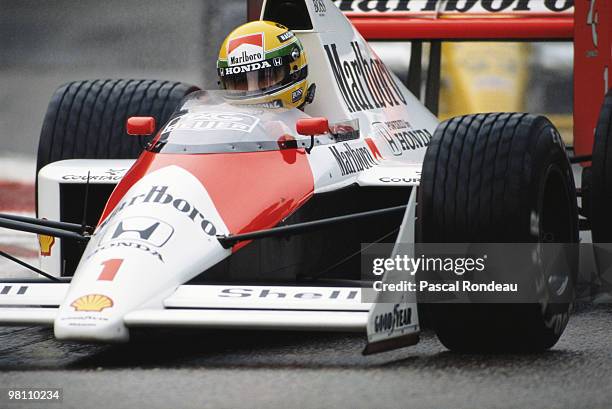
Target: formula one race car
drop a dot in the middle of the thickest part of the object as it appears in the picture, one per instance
(238, 216)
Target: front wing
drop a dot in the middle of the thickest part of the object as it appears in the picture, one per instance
(209, 306)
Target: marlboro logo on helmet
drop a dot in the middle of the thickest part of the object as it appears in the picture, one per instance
(246, 49)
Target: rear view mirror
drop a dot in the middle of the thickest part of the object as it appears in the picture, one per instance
(312, 126)
(140, 125)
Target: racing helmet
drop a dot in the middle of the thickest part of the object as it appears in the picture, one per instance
(265, 64)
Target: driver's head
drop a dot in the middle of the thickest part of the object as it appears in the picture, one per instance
(266, 62)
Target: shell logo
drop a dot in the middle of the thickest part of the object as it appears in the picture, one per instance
(92, 303)
(46, 243)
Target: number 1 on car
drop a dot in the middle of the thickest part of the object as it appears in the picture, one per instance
(110, 269)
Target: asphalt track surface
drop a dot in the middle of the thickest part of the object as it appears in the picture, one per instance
(187, 369)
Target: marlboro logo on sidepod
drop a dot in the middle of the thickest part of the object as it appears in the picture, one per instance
(246, 49)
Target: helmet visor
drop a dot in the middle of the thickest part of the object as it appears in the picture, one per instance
(263, 80)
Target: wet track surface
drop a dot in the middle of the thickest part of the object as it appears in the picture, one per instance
(166, 369)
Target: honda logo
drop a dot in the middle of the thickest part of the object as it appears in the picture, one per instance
(143, 229)
(383, 132)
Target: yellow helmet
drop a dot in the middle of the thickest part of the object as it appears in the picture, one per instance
(266, 64)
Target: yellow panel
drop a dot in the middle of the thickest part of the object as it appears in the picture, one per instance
(483, 77)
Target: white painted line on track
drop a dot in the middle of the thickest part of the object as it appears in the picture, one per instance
(17, 168)
(20, 170)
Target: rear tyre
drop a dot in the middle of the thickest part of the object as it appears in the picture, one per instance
(600, 200)
(498, 178)
(86, 119)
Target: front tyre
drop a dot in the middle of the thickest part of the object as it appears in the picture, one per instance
(498, 178)
(86, 119)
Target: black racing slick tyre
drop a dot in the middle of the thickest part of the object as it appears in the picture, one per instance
(600, 200)
(498, 178)
(86, 119)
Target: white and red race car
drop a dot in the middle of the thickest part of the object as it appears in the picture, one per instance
(236, 216)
